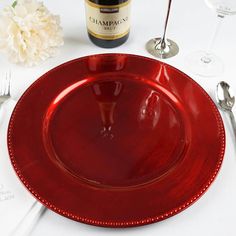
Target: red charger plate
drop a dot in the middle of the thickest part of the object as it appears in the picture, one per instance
(116, 140)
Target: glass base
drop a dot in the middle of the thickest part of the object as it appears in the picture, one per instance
(153, 46)
(205, 64)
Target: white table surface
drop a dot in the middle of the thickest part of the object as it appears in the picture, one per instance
(191, 26)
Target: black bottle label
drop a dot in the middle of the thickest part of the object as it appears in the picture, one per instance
(108, 22)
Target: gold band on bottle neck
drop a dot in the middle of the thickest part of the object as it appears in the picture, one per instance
(107, 6)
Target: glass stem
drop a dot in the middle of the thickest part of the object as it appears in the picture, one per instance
(163, 42)
(207, 59)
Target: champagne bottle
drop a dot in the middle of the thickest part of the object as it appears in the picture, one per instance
(108, 22)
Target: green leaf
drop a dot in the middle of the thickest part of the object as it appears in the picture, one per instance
(14, 4)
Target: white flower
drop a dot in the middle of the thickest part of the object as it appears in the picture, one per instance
(29, 33)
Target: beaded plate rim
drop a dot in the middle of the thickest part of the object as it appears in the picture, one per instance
(123, 224)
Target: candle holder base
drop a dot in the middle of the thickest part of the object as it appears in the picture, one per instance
(154, 47)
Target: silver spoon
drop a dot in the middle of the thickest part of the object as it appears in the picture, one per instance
(226, 101)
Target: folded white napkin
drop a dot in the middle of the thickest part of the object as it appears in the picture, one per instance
(15, 201)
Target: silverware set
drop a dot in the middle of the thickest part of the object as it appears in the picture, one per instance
(226, 100)
(5, 91)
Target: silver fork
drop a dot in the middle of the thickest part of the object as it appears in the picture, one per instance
(5, 91)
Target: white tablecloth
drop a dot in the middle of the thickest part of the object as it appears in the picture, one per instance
(191, 26)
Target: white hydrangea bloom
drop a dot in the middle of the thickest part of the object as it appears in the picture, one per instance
(29, 33)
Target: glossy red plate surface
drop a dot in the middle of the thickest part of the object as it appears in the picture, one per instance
(116, 140)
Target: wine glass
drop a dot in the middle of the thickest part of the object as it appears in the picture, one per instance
(206, 63)
(162, 47)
